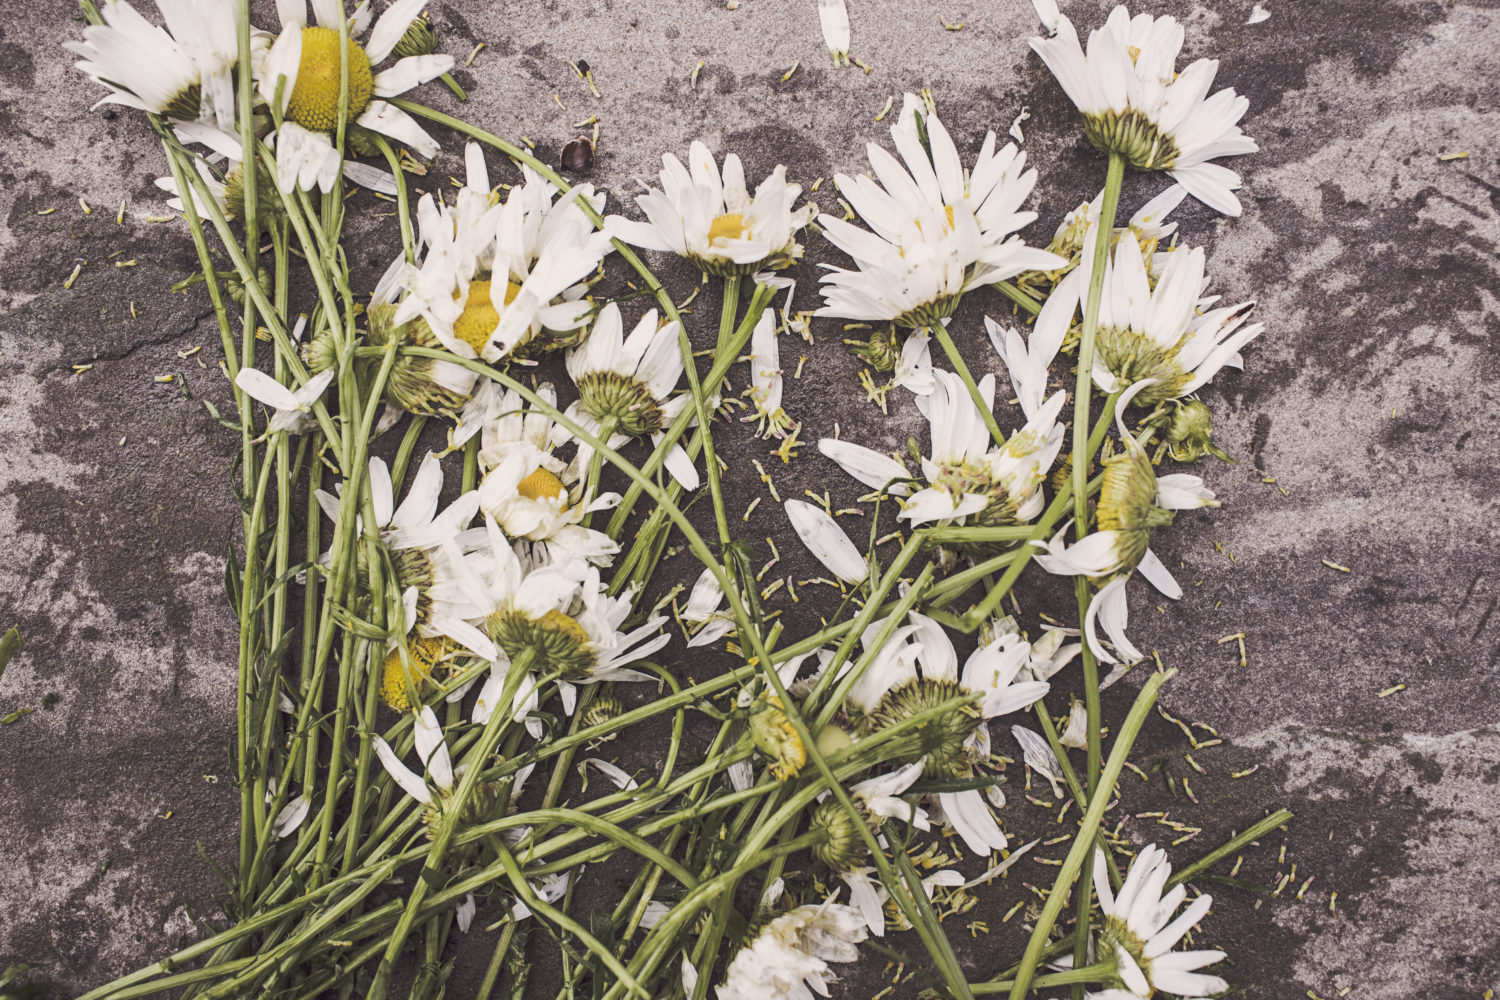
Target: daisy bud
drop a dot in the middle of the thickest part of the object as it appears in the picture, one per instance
(881, 351)
(604, 708)
(1190, 433)
(841, 847)
(420, 38)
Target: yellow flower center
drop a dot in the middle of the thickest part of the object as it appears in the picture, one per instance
(727, 227)
(423, 655)
(480, 317)
(539, 484)
(314, 101)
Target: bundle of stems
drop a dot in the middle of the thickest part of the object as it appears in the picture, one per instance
(351, 879)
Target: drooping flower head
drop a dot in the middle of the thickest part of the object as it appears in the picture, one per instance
(938, 230)
(916, 672)
(185, 71)
(710, 218)
(790, 955)
(1139, 930)
(1133, 499)
(1136, 104)
(302, 75)
(969, 479)
(630, 383)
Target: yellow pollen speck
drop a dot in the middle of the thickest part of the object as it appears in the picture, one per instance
(727, 227)
(539, 484)
(314, 102)
(479, 318)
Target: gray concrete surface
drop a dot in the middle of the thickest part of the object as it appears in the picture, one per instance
(1370, 399)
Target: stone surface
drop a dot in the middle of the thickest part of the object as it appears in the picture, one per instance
(1374, 265)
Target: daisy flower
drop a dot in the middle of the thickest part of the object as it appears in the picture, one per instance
(877, 799)
(628, 382)
(300, 77)
(185, 71)
(1132, 500)
(540, 249)
(1136, 104)
(526, 488)
(710, 218)
(789, 956)
(1152, 331)
(1140, 932)
(938, 230)
(969, 480)
(413, 533)
(900, 686)
(560, 613)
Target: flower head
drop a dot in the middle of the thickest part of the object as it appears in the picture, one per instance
(938, 230)
(1136, 104)
(503, 278)
(302, 77)
(185, 71)
(630, 382)
(1154, 330)
(969, 480)
(1140, 932)
(790, 955)
(1133, 499)
(914, 673)
(526, 488)
(709, 217)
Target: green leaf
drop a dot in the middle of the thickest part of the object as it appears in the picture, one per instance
(10, 645)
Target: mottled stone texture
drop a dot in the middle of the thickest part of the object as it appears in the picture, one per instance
(1374, 265)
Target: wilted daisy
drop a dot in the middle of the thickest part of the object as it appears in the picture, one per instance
(185, 72)
(789, 956)
(1153, 331)
(1136, 104)
(710, 218)
(301, 77)
(969, 480)
(435, 791)
(877, 800)
(1132, 500)
(1139, 930)
(526, 488)
(938, 230)
(413, 533)
(559, 614)
(500, 278)
(899, 687)
(628, 384)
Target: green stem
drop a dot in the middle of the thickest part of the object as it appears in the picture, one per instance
(986, 410)
(1278, 818)
(1083, 841)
